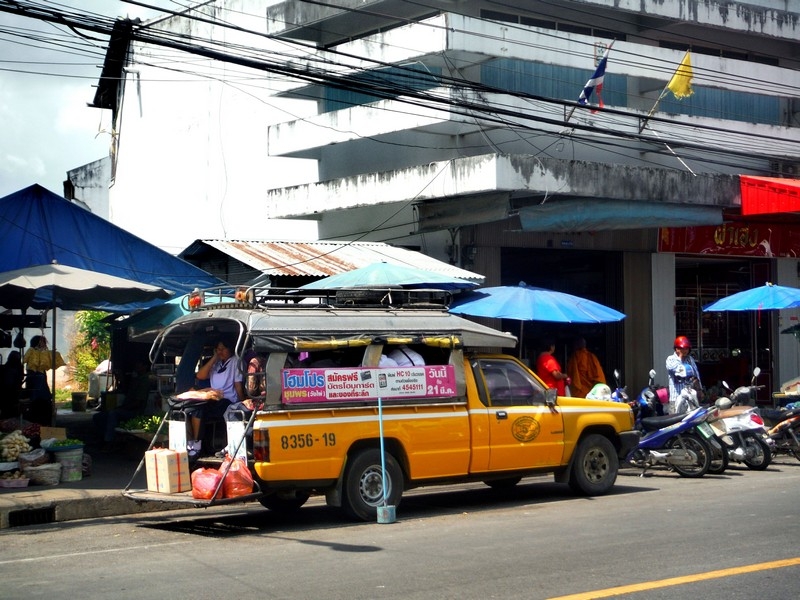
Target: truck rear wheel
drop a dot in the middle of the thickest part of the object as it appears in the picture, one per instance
(594, 466)
(364, 484)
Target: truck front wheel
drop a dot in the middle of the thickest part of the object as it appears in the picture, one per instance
(366, 488)
(594, 467)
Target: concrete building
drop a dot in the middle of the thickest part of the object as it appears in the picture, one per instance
(452, 128)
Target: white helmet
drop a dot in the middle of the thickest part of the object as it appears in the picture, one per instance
(722, 403)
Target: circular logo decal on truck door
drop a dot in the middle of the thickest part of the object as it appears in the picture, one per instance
(525, 429)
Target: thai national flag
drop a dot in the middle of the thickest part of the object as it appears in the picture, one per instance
(595, 83)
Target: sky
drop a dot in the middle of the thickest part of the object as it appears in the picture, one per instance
(47, 127)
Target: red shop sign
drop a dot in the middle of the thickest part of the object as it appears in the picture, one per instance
(732, 239)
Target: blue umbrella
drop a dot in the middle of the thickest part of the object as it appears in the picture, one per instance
(766, 297)
(528, 303)
(383, 274)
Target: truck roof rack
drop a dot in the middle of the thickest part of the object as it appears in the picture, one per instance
(298, 298)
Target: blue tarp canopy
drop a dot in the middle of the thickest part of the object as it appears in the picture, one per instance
(38, 227)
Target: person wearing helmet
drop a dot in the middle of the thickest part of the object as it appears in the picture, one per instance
(683, 373)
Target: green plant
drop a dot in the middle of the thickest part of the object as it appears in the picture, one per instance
(63, 398)
(91, 344)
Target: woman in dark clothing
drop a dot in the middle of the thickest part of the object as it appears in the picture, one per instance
(11, 377)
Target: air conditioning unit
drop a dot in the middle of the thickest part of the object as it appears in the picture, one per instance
(784, 168)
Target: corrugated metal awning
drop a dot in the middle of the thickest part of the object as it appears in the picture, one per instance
(322, 258)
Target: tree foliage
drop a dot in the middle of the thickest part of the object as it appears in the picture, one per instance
(91, 345)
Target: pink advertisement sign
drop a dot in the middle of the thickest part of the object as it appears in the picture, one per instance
(347, 385)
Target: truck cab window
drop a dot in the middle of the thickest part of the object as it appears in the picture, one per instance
(507, 384)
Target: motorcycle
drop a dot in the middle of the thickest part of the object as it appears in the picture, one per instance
(651, 400)
(784, 430)
(741, 429)
(620, 393)
(676, 441)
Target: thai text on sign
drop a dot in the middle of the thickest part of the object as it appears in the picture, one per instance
(347, 385)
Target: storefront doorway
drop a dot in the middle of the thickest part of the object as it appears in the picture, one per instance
(727, 345)
(590, 274)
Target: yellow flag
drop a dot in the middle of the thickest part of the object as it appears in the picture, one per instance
(681, 83)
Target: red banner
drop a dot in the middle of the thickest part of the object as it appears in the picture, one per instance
(737, 238)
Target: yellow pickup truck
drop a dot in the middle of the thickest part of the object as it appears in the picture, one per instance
(338, 418)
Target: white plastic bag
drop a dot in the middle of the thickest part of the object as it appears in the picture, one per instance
(177, 435)
(235, 430)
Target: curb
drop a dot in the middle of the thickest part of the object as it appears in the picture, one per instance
(69, 506)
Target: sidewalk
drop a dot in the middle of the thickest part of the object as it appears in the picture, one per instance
(98, 495)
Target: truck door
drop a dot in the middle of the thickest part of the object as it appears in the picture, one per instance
(523, 431)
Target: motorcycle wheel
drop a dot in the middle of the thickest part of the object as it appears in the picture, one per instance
(700, 447)
(758, 456)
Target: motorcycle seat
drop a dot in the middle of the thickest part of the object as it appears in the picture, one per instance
(734, 411)
(656, 423)
(777, 415)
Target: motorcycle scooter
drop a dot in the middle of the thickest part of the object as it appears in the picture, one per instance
(650, 401)
(620, 393)
(741, 429)
(676, 441)
(784, 430)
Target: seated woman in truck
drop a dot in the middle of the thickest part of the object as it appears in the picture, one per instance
(226, 388)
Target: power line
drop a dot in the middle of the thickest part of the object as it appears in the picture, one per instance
(377, 87)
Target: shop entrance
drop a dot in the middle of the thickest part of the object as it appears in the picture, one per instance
(590, 274)
(726, 345)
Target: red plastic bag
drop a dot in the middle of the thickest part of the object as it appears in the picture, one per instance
(204, 483)
(238, 480)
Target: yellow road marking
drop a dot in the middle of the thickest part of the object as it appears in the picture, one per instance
(651, 585)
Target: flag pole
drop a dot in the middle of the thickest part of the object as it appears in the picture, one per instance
(680, 85)
(569, 116)
(598, 74)
(682, 72)
(653, 110)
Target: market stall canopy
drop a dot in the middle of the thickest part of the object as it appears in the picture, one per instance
(38, 227)
(766, 297)
(62, 286)
(769, 195)
(51, 286)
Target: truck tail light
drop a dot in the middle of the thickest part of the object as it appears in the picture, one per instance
(261, 445)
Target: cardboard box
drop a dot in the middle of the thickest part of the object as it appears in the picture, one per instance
(58, 433)
(167, 471)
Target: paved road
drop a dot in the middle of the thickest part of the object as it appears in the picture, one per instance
(729, 537)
